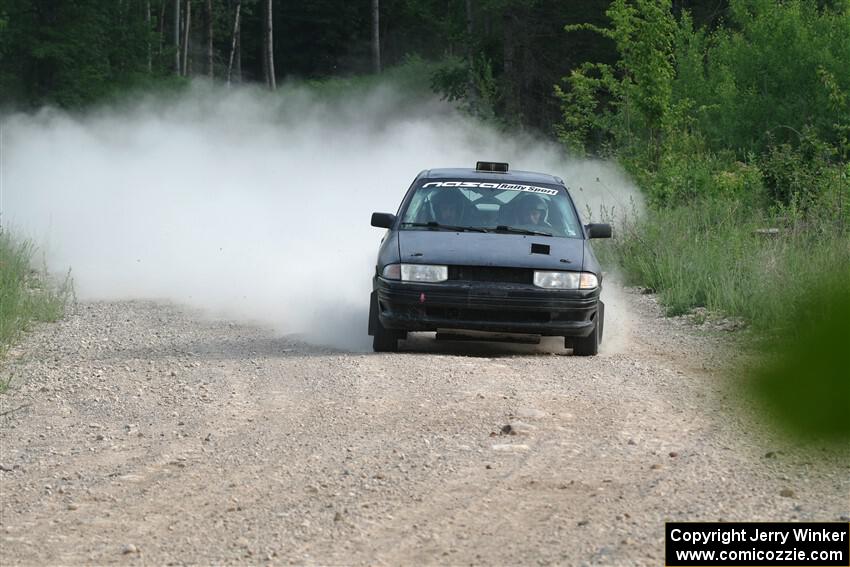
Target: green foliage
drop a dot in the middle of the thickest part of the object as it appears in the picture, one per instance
(583, 115)
(485, 88)
(717, 254)
(802, 378)
(473, 87)
(644, 32)
(73, 53)
(25, 295)
(451, 80)
(776, 70)
(749, 188)
(639, 87)
(683, 105)
(798, 176)
(411, 77)
(510, 52)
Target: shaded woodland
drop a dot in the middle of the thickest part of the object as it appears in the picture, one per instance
(75, 52)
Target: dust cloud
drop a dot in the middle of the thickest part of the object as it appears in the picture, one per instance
(247, 204)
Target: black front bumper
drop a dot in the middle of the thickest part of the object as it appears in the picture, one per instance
(482, 306)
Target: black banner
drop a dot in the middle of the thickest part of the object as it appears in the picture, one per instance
(692, 544)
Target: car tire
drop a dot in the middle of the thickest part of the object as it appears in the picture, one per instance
(383, 339)
(601, 320)
(589, 345)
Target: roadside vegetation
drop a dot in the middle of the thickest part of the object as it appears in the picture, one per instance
(739, 136)
(730, 260)
(26, 295)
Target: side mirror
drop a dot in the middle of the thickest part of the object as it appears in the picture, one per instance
(383, 220)
(598, 230)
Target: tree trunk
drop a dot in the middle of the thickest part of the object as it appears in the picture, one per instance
(177, 37)
(268, 58)
(527, 71)
(148, 21)
(264, 52)
(161, 27)
(210, 68)
(186, 27)
(470, 55)
(509, 69)
(376, 36)
(237, 65)
(234, 42)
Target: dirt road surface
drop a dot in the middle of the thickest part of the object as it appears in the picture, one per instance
(143, 433)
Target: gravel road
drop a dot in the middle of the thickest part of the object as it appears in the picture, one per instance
(145, 433)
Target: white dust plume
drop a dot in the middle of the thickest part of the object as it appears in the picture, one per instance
(248, 204)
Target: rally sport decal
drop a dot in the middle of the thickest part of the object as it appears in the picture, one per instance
(504, 186)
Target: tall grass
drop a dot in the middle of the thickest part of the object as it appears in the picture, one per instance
(730, 260)
(26, 295)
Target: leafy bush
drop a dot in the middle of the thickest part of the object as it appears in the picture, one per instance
(684, 105)
(775, 70)
(473, 86)
(637, 92)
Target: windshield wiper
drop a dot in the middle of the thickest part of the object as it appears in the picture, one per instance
(432, 224)
(515, 230)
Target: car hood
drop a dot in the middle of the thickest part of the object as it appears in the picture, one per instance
(489, 249)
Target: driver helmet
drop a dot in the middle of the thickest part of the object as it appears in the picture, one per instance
(447, 205)
(535, 203)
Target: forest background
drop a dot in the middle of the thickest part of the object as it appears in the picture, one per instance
(732, 115)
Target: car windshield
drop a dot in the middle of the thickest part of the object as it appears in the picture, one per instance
(492, 207)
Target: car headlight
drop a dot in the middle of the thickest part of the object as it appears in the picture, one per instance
(416, 273)
(565, 280)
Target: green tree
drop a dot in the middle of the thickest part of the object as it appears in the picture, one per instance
(639, 87)
(774, 71)
(72, 53)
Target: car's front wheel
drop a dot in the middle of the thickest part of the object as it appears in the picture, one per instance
(383, 339)
(589, 345)
(601, 320)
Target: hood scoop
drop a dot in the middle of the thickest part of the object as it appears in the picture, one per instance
(540, 249)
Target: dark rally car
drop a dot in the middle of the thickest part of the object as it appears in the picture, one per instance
(487, 249)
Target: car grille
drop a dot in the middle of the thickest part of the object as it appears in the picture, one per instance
(491, 274)
(491, 316)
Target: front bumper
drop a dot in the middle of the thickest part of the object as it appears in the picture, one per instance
(483, 306)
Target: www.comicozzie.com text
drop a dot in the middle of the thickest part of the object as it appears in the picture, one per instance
(743, 534)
